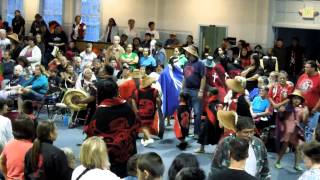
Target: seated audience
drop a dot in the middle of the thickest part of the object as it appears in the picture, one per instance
(147, 59)
(172, 41)
(311, 152)
(28, 109)
(150, 166)
(32, 53)
(7, 65)
(5, 125)
(129, 57)
(87, 56)
(252, 72)
(77, 65)
(115, 49)
(191, 173)
(94, 161)
(68, 78)
(72, 51)
(44, 160)
(239, 153)
(146, 43)
(12, 87)
(4, 41)
(37, 86)
(13, 154)
(54, 82)
(123, 40)
(181, 161)
(160, 54)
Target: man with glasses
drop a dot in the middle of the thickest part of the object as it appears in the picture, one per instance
(257, 161)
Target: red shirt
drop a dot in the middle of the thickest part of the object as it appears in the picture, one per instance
(279, 93)
(310, 87)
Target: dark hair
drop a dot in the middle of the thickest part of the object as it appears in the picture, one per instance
(191, 173)
(152, 163)
(75, 18)
(279, 39)
(44, 129)
(23, 127)
(38, 16)
(312, 63)
(18, 11)
(108, 69)
(31, 38)
(24, 60)
(147, 34)
(27, 107)
(312, 151)
(107, 89)
(132, 165)
(159, 44)
(317, 133)
(295, 38)
(3, 102)
(244, 122)
(181, 161)
(113, 21)
(239, 149)
(150, 23)
(256, 60)
(258, 46)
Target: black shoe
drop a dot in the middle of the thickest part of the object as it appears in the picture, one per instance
(182, 146)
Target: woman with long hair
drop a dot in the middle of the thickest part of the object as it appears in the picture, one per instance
(44, 160)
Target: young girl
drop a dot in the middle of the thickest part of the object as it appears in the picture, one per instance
(146, 100)
(182, 120)
(210, 129)
(292, 115)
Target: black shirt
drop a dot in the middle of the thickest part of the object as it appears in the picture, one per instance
(231, 174)
(17, 24)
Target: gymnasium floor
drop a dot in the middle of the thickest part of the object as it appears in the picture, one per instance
(167, 150)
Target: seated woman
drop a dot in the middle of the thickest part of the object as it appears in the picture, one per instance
(260, 108)
(69, 77)
(252, 73)
(37, 86)
(87, 56)
(130, 57)
(54, 162)
(94, 161)
(147, 59)
(115, 49)
(13, 154)
(32, 52)
(13, 86)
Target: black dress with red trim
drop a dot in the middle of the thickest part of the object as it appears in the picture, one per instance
(115, 121)
(147, 110)
(182, 122)
(210, 130)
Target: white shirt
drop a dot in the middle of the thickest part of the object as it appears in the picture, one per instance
(93, 174)
(5, 130)
(76, 33)
(155, 33)
(87, 58)
(131, 33)
(35, 57)
(251, 163)
(4, 43)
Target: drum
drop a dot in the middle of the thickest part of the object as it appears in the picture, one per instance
(71, 96)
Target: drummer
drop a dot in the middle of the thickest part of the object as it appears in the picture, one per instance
(86, 82)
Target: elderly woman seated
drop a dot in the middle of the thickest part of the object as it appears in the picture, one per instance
(12, 87)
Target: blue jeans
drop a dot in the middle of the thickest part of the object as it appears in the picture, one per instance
(196, 104)
(311, 126)
(32, 95)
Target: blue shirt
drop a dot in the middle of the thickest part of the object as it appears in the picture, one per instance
(147, 61)
(193, 73)
(260, 105)
(39, 84)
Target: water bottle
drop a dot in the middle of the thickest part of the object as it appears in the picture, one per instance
(65, 120)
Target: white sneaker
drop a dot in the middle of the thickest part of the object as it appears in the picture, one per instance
(61, 105)
(148, 142)
(143, 141)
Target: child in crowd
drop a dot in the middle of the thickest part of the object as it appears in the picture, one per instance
(27, 108)
(132, 168)
(181, 161)
(77, 64)
(54, 84)
(191, 173)
(150, 166)
(182, 120)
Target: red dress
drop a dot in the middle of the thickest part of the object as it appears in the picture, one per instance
(291, 128)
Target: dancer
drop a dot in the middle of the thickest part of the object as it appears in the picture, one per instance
(182, 120)
(292, 115)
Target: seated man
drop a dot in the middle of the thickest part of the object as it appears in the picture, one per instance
(12, 87)
(172, 41)
(257, 161)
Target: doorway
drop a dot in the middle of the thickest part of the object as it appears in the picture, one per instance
(211, 36)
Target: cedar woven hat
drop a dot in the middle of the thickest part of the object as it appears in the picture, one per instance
(192, 50)
(135, 74)
(227, 119)
(298, 93)
(14, 36)
(237, 84)
(147, 81)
